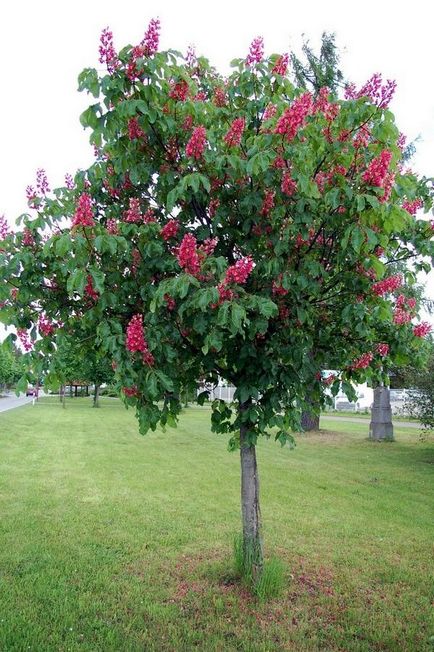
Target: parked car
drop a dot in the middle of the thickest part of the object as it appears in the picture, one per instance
(31, 391)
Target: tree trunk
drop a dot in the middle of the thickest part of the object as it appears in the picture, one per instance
(62, 390)
(251, 513)
(71, 391)
(309, 421)
(96, 397)
(381, 427)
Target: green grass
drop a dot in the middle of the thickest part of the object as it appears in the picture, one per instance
(364, 415)
(112, 541)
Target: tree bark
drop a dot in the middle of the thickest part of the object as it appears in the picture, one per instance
(309, 421)
(96, 397)
(251, 513)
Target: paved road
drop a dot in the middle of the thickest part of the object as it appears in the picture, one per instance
(397, 424)
(12, 401)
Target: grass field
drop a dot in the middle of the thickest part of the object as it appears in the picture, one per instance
(111, 541)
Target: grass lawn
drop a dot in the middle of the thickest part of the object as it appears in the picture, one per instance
(112, 541)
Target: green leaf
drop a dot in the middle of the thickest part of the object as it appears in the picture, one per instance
(238, 315)
(98, 279)
(76, 281)
(63, 244)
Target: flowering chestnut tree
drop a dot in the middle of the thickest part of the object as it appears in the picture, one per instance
(233, 228)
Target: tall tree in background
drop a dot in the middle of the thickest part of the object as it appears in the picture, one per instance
(228, 228)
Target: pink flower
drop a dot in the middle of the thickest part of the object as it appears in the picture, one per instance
(256, 51)
(268, 202)
(281, 65)
(387, 285)
(382, 349)
(28, 239)
(233, 136)
(197, 143)
(239, 272)
(133, 214)
(208, 246)
(112, 227)
(412, 206)
(42, 182)
(420, 330)
(188, 257)
(401, 316)
(220, 98)
(136, 341)
(130, 391)
(363, 362)
(134, 129)
(294, 117)
(69, 182)
(151, 39)
(179, 91)
(170, 229)
(170, 302)
(378, 93)
(89, 290)
(328, 109)
(107, 53)
(328, 380)
(377, 170)
(4, 228)
(83, 213)
(25, 339)
(288, 185)
(45, 325)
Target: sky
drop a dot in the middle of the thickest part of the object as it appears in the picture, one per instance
(45, 44)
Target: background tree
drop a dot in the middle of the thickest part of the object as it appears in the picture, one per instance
(228, 228)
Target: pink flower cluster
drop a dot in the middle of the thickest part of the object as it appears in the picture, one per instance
(256, 51)
(42, 182)
(170, 302)
(112, 226)
(83, 213)
(420, 330)
(213, 207)
(69, 182)
(133, 214)
(382, 349)
(387, 285)
(412, 206)
(268, 203)
(188, 256)
(294, 117)
(179, 91)
(328, 380)
(134, 129)
(151, 38)
(170, 229)
(24, 339)
(208, 246)
(130, 391)
(197, 143)
(239, 272)
(220, 98)
(233, 136)
(136, 339)
(281, 65)
(4, 228)
(379, 94)
(46, 326)
(288, 185)
(377, 170)
(107, 52)
(363, 362)
(28, 239)
(323, 105)
(89, 290)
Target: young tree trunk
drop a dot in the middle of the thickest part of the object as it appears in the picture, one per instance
(251, 513)
(62, 396)
(96, 397)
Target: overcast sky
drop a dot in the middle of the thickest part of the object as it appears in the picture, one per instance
(45, 44)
